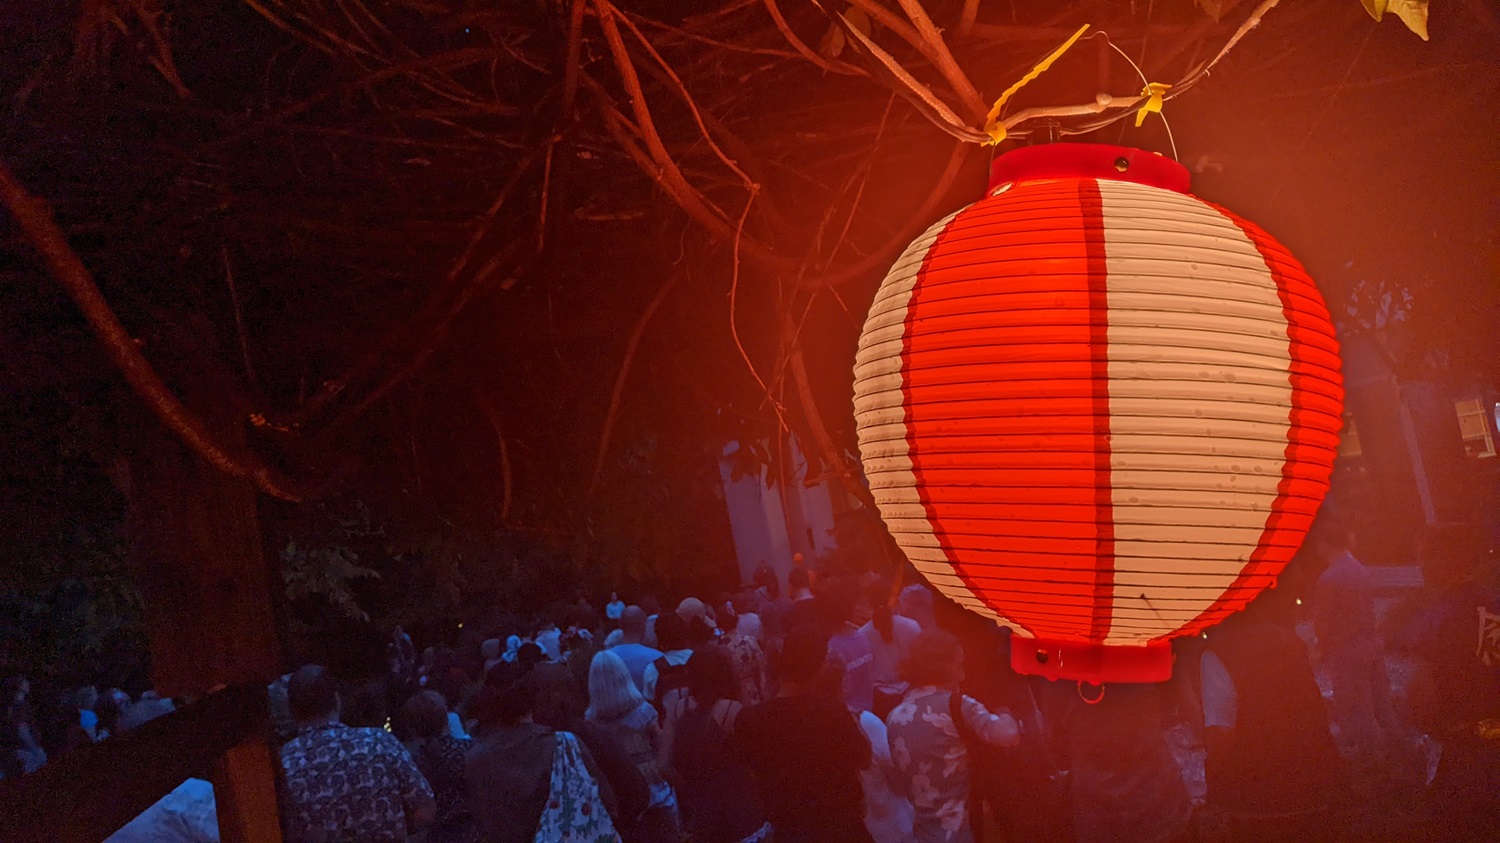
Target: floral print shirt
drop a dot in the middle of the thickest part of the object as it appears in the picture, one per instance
(348, 784)
(749, 667)
(932, 762)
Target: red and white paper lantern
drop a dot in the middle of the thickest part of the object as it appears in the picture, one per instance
(1097, 409)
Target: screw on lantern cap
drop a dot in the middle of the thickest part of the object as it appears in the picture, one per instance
(1088, 160)
(1090, 662)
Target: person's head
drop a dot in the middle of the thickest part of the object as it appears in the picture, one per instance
(838, 599)
(490, 649)
(108, 710)
(612, 693)
(426, 714)
(710, 676)
(729, 619)
(452, 682)
(368, 705)
(799, 579)
(765, 578)
(878, 594)
(802, 657)
(933, 658)
(633, 624)
(915, 602)
(671, 632)
(559, 700)
(692, 609)
(507, 698)
(312, 694)
(614, 639)
(86, 697)
(1329, 535)
(529, 654)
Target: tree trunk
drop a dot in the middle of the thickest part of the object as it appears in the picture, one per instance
(197, 557)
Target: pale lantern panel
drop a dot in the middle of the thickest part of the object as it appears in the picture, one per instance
(1097, 410)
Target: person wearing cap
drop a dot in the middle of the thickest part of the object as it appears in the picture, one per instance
(692, 608)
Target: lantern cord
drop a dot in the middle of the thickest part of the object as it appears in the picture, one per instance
(1085, 698)
(1106, 102)
(1151, 606)
(1144, 81)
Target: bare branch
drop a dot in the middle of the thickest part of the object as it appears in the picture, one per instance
(693, 202)
(938, 51)
(619, 388)
(802, 48)
(35, 220)
(967, 16)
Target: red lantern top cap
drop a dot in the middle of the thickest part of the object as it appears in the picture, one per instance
(1089, 160)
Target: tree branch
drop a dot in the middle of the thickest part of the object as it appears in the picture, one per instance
(802, 48)
(938, 51)
(619, 388)
(36, 222)
(507, 482)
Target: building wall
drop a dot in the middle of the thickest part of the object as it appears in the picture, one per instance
(772, 522)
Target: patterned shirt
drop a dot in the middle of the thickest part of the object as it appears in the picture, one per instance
(348, 784)
(441, 760)
(749, 667)
(933, 763)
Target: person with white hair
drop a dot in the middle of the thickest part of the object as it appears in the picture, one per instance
(916, 602)
(616, 704)
(550, 640)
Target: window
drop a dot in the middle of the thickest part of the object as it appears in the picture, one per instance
(1474, 427)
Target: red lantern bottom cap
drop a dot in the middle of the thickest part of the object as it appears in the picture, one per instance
(1090, 662)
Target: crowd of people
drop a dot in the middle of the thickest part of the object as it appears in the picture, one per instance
(39, 726)
(810, 716)
(847, 709)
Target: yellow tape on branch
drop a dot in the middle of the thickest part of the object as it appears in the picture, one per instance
(992, 125)
(1152, 92)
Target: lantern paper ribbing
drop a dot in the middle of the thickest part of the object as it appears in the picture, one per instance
(1097, 409)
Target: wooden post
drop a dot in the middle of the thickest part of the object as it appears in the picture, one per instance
(244, 782)
(206, 592)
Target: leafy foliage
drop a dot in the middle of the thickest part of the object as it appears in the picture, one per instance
(73, 616)
(328, 572)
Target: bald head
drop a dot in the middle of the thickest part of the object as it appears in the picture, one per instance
(633, 624)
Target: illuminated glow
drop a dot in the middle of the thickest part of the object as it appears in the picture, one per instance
(1097, 409)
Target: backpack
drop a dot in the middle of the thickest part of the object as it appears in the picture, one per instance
(574, 809)
(1026, 801)
(669, 677)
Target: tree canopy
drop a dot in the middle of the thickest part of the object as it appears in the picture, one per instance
(526, 267)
